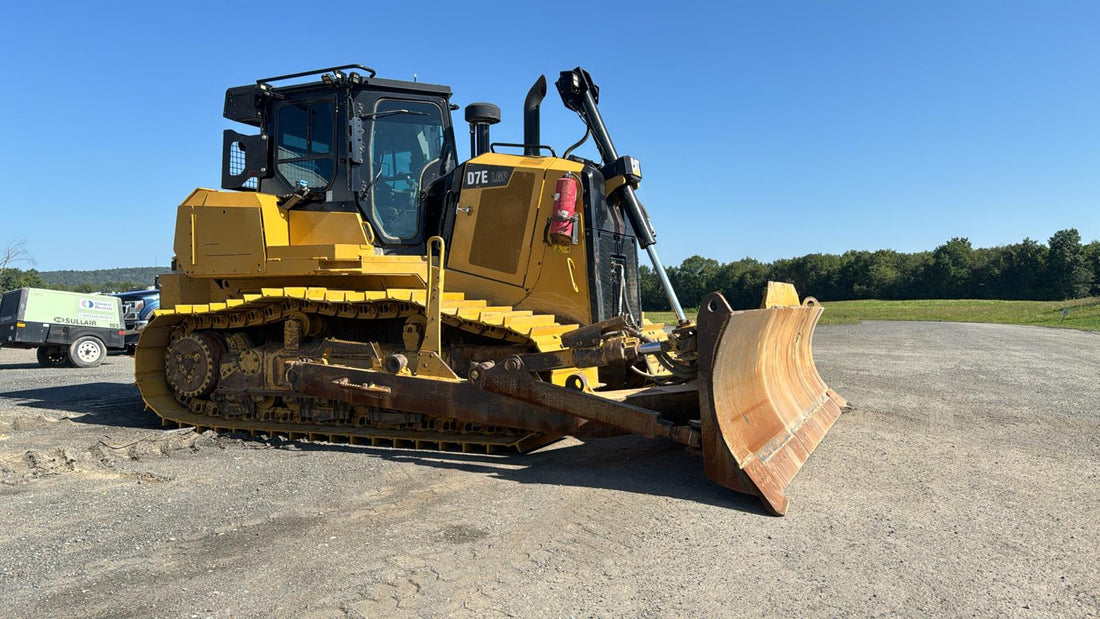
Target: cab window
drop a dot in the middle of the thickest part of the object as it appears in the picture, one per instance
(405, 145)
(305, 143)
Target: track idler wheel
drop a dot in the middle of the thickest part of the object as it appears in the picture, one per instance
(192, 364)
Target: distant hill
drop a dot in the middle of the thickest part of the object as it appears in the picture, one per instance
(105, 280)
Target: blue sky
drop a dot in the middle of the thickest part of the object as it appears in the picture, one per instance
(766, 129)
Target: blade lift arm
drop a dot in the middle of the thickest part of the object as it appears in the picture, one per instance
(580, 94)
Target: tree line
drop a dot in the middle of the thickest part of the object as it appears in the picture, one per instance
(1063, 268)
(98, 280)
(12, 278)
(104, 279)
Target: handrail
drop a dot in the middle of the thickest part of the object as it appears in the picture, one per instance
(265, 80)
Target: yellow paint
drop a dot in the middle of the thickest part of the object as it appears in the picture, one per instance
(780, 294)
(321, 228)
(433, 297)
(229, 235)
(228, 241)
(543, 279)
(236, 249)
(244, 241)
(612, 184)
(572, 280)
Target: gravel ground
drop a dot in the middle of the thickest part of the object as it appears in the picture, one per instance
(963, 481)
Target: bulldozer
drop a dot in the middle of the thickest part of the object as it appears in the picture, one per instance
(354, 281)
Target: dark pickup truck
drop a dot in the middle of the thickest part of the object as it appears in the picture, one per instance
(137, 309)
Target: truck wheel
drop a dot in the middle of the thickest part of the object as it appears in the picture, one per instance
(87, 352)
(52, 356)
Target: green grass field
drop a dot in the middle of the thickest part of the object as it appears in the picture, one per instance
(1083, 313)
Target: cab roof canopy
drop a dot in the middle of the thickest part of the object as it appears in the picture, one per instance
(246, 104)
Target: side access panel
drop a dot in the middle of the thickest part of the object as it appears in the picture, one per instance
(494, 222)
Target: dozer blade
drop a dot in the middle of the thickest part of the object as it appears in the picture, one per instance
(763, 406)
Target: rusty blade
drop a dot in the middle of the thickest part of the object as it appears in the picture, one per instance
(763, 405)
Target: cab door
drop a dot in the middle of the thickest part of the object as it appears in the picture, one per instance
(405, 143)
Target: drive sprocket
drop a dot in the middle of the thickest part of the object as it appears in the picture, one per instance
(191, 364)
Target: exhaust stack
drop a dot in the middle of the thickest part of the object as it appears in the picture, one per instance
(531, 129)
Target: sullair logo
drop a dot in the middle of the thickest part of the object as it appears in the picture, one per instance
(73, 321)
(481, 176)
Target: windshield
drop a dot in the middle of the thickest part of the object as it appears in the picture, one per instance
(405, 146)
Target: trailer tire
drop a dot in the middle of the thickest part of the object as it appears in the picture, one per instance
(87, 352)
(53, 356)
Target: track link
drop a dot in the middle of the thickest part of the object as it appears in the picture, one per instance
(539, 332)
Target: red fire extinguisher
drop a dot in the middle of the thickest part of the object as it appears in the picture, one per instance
(563, 222)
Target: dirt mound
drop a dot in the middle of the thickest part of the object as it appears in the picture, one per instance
(105, 456)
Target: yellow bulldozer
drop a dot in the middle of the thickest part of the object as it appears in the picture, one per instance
(354, 281)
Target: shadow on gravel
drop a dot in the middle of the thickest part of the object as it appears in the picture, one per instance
(111, 358)
(18, 366)
(627, 463)
(105, 404)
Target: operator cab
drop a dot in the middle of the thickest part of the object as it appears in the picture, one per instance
(347, 142)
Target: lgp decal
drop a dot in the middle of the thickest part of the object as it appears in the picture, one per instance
(482, 176)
